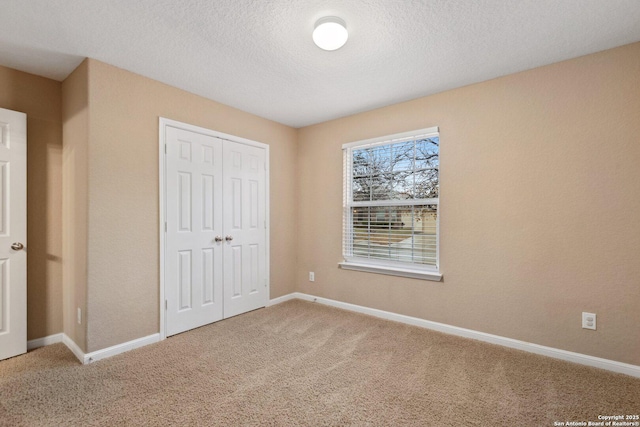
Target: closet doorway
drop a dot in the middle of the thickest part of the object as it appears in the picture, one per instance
(214, 235)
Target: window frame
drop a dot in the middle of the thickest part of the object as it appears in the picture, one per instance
(390, 267)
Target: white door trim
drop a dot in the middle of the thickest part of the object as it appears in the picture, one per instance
(163, 124)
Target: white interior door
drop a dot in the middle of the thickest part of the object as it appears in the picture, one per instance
(245, 252)
(13, 233)
(193, 257)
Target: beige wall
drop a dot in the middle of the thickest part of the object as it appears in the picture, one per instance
(123, 209)
(540, 194)
(75, 173)
(41, 100)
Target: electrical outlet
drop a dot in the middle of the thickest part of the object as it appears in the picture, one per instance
(79, 316)
(588, 321)
(312, 276)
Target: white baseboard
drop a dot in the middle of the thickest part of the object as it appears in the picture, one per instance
(71, 345)
(120, 348)
(283, 299)
(583, 359)
(86, 358)
(41, 342)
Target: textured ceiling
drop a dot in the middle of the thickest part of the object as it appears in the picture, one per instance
(258, 56)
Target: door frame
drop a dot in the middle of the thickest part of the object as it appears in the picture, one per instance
(162, 141)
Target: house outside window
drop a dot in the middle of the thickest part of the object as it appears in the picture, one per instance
(391, 197)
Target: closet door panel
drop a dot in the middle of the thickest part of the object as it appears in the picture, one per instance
(245, 282)
(193, 259)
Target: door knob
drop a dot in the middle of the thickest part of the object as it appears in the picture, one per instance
(218, 239)
(228, 238)
(17, 246)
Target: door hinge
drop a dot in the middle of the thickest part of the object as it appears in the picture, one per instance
(166, 304)
(165, 148)
(165, 226)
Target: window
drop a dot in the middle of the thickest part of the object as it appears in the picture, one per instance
(391, 192)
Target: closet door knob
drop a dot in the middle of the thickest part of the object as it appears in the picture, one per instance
(17, 246)
(218, 239)
(228, 238)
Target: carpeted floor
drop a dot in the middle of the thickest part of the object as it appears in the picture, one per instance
(300, 363)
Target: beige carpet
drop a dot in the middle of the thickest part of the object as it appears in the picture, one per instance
(300, 363)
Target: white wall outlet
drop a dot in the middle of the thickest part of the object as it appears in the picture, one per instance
(312, 276)
(79, 316)
(588, 321)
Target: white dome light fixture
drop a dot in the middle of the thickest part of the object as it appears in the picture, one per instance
(330, 33)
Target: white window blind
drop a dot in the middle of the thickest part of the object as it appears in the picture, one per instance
(391, 190)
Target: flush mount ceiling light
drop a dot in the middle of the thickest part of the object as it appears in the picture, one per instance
(330, 33)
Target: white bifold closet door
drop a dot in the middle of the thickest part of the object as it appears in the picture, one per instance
(215, 259)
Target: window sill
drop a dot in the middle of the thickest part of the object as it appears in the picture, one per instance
(392, 271)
